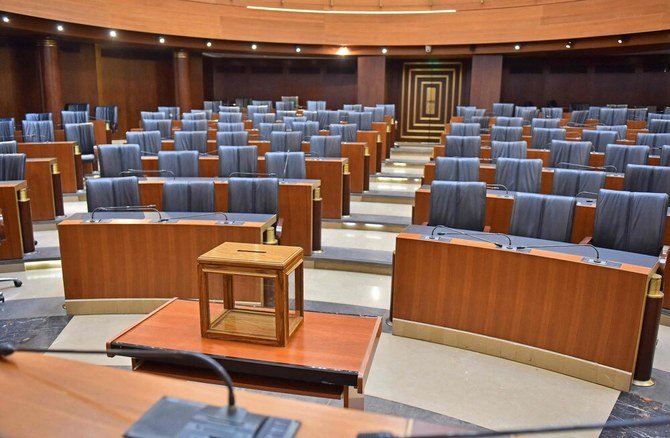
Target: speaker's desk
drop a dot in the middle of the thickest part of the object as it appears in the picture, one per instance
(499, 213)
(48, 396)
(545, 307)
(297, 204)
(69, 161)
(328, 355)
(332, 172)
(129, 256)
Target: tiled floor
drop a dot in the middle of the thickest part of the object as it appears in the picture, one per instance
(380, 208)
(360, 239)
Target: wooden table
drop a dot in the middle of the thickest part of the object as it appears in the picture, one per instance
(296, 202)
(69, 162)
(327, 356)
(47, 396)
(131, 256)
(15, 206)
(547, 308)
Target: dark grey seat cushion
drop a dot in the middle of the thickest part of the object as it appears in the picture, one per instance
(619, 156)
(195, 196)
(458, 204)
(641, 178)
(519, 175)
(286, 164)
(149, 141)
(232, 138)
(12, 167)
(191, 141)
(112, 192)
(542, 137)
(326, 146)
(572, 182)
(286, 141)
(465, 129)
(599, 139)
(564, 153)
(630, 221)
(253, 195)
(508, 149)
(115, 159)
(506, 133)
(463, 146)
(237, 159)
(542, 216)
(456, 169)
(8, 147)
(180, 163)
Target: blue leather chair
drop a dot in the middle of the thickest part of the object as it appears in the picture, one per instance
(508, 149)
(115, 159)
(458, 204)
(289, 165)
(546, 217)
(179, 163)
(112, 192)
(456, 169)
(237, 159)
(462, 146)
(572, 182)
(326, 146)
(191, 141)
(188, 196)
(519, 175)
(149, 141)
(233, 138)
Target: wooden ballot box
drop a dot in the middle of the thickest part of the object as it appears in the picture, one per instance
(251, 292)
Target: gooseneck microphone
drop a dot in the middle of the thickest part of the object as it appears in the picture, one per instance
(566, 245)
(474, 235)
(7, 349)
(128, 208)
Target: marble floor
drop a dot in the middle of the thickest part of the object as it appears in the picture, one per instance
(411, 378)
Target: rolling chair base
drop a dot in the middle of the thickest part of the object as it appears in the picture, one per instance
(17, 283)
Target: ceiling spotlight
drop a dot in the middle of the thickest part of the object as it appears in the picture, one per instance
(254, 47)
(112, 33)
(620, 41)
(384, 50)
(5, 19)
(161, 40)
(298, 50)
(517, 47)
(209, 44)
(568, 45)
(343, 51)
(60, 28)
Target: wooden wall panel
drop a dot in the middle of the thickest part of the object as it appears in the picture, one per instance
(371, 80)
(136, 81)
(495, 21)
(19, 79)
(486, 80)
(332, 80)
(197, 84)
(79, 81)
(635, 80)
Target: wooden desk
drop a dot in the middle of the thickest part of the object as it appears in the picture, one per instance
(327, 356)
(16, 218)
(69, 161)
(46, 196)
(357, 156)
(296, 199)
(81, 399)
(546, 308)
(129, 255)
(370, 138)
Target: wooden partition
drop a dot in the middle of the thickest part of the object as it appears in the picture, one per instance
(68, 160)
(11, 193)
(39, 176)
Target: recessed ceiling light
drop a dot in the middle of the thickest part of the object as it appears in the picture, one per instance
(209, 44)
(298, 49)
(112, 33)
(60, 28)
(5, 19)
(343, 51)
(620, 41)
(568, 45)
(517, 47)
(385, 50)
(254, 47)
(161, 40)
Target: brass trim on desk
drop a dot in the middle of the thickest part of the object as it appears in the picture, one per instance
(317, 193)
(269, 237)
(655, 287)
(23, 195)
(345, 170)
(77, 151)
(54, 169)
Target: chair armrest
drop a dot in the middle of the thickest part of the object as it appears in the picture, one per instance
(586, 240)
(487, 229)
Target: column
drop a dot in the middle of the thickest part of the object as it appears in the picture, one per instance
(182, 80)
(486, 80)
(371, 75)
(52, 96)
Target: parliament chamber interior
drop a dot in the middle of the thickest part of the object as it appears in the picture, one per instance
(350, 218)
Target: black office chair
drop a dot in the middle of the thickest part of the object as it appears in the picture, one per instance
(17, 282)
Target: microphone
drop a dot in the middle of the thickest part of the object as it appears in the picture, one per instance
(202, 214)
(130, 208)
(252, 174)
(597, 260)
(581, 166)
(7, 349)
(473, 235)
(140, 172)
(584, 192)
(498, 187)
(285, 167)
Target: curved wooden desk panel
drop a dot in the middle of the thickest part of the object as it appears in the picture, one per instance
(12, 247)
(139, 258)
(541, 299)
(41, 188)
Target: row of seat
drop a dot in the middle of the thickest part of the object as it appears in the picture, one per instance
(625, 221)
(245, 195)
(521, 175)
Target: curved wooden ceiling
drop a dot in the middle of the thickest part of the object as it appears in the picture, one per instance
(474, 22)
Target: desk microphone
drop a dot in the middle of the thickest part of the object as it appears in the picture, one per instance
(473, 235)
(140, 172)
(597, 260)
(582, 166)
(498, 187)
(172, 417)
(129, 208)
